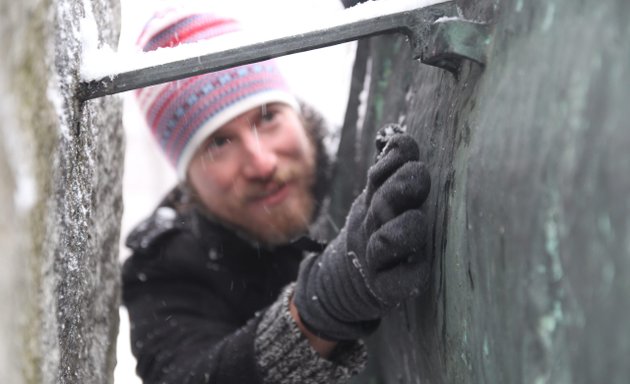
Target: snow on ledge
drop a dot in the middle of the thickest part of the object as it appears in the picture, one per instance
(99, 62)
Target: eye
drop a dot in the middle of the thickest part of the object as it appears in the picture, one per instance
(218, 142)
(216, 145)
(268, 115)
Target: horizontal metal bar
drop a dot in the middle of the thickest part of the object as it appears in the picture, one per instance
(405, 22)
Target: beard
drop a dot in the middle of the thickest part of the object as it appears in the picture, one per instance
(284, 223)
(251, 209)
(277, 224)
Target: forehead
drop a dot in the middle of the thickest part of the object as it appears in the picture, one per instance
(253, 115)
(248, 115)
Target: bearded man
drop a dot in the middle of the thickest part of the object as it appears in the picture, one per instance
(223, 286)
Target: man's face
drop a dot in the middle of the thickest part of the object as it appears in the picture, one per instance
(256, 173)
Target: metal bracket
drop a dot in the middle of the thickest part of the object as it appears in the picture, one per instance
(452, 40)
(437, 37)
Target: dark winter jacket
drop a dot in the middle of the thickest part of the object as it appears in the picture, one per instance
(208, 306)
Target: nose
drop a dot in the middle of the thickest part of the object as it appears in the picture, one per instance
(260, 161)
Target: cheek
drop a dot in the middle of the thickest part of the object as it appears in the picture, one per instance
(211, 178)
(296, 143)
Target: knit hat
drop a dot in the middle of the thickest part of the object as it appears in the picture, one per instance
(182, 114)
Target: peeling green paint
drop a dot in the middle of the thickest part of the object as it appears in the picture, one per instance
(550, 11)
(605, 228)
(552, 240)
(608, 275)
(381, 88)
(549, 323)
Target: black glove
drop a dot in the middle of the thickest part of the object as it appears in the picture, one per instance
(377, 259)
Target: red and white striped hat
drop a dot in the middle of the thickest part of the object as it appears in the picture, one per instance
(183, 113)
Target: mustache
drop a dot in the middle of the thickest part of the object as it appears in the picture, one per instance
(262, 188)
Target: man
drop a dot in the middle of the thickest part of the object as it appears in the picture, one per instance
(218, 289)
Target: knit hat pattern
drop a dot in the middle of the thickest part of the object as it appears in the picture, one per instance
(183, 113)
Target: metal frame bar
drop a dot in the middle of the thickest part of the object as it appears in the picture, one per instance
(416, 24)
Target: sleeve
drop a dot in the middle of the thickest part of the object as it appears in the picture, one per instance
(182, 331)
(284, 356)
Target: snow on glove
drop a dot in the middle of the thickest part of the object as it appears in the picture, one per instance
(377, 259)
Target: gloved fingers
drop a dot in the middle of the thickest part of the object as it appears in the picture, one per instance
(385, 134)
(406, 189)
(399, 150)
(396, 258)
(392, 287)
(398, 242)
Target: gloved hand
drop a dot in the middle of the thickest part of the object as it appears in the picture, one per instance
(377, 259)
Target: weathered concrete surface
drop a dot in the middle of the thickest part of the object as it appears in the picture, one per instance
(530, 200)
(61, 166)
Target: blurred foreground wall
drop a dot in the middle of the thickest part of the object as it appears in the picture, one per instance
(60, 198)
(530, 201)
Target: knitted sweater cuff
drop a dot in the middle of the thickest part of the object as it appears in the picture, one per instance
(285, 356)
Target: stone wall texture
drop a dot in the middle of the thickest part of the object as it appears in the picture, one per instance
(60, 198)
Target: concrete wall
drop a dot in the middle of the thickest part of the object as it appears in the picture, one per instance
(530, 201)
(61, 164)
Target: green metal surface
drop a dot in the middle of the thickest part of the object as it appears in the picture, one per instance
(530, 200)
(451, 41)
